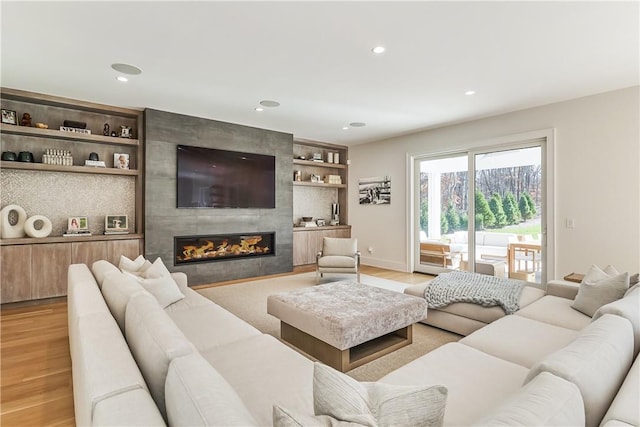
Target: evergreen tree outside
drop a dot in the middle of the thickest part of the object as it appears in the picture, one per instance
(479, 222)
(453, 219)
(532, 205)
(511, 209)
(523, 205)
(464, 221)
(495, 204)
(424, 215)
(482, 208)
(444, 224)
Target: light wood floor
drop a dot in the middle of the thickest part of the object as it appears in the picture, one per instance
(35, 365)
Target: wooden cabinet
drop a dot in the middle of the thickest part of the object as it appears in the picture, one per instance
(34, 268)
(308, 241)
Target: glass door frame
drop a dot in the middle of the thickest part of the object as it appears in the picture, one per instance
(545, 139)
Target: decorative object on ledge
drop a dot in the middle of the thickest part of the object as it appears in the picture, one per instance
(375, 191)
(74, 124)
(116, 224)
(9, 156)
(105, 130)
(120, 161)
(45, 226)
(25, 156)
(26, 120)
(54, 156)
(42, 126)
(75, 130)
(125, 132)
(12, 220)
(190, 249)
(77, 226)
(9, 117)
(94, 161)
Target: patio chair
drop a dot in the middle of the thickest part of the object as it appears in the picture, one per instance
(338, 255)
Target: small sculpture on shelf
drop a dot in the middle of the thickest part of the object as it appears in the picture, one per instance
(105, 130)
(26, 120)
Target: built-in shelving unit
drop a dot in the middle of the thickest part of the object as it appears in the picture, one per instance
(35, 268)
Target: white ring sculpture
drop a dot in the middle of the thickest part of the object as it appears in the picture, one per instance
(45, 230)
(12, 231)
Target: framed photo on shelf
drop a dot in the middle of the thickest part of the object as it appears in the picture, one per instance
(78, 223)
(120, 161)
(115, 224)
(9, 117)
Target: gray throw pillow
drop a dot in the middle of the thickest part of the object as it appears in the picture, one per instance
(592, 296)
(376, 404)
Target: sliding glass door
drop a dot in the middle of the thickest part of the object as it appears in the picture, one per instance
(481, 211)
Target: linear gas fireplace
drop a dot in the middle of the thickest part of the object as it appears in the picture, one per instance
(218, 247)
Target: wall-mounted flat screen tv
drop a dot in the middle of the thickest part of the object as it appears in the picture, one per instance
(212, 178)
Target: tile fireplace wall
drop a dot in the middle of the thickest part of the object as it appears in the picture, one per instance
(163, 221)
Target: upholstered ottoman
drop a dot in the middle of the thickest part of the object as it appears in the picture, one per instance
(346, 324)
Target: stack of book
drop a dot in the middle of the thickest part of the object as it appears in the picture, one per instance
(333, 179)
(77, 233)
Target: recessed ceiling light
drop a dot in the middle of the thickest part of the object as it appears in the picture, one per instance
(259, 109)
(122, 79)
(357, 124)
(378, 49)
(470, 92)
(131, 70)
(268, 103)
(345, 128)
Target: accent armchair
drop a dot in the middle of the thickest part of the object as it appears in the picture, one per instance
(338, 255)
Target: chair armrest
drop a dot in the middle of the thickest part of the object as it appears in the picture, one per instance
(563, 288)
(358, 255)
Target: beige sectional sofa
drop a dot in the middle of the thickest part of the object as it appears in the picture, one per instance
(136, 362)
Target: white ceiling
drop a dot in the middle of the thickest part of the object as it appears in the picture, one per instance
(220, 59)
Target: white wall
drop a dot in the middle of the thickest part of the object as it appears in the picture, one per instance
(597, 180)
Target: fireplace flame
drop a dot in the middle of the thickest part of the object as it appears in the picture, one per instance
(248, 245)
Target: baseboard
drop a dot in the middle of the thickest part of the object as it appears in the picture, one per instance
(383, 263)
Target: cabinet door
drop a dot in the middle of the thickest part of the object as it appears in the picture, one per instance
(88, 252)
(128, 248)
(300, 250)
(314, 245)
(49, 265)
(16, 273)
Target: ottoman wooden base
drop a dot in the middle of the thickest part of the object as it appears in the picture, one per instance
(345, 360)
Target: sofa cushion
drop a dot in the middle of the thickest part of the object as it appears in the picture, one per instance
(154, 341)
(520, 340)
(629, 308)
(117, 290)
(83, 297)
(625, 409)
(209, 325)
(555, 311)
(131, 408)
(102, 364)
(477, 382)
(592, 296)
(596, 361)
(197, 395)
(288, 384)
(547, 400)
(164, 289)
(101, 269)
(340, 396)
(337, 261)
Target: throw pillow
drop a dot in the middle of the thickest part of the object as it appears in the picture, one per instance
(164, 289)
(376, 404)
(592, 296)
(595, 274)
(285, 418)
(126, 264)
(156, 270)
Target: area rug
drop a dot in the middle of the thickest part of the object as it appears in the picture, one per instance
(248, 301)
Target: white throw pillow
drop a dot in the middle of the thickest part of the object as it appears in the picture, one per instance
(156, 270)
(126, 264)
(593, 295)
(164, 289)
(285, 418)
(376, 404)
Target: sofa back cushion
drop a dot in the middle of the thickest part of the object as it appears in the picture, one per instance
(101, 269)
(154, 341)
(339, 246)
(546, 400)
(593, 295)
(117, 290)
(197, 395)
(629, 308)
(597, 362)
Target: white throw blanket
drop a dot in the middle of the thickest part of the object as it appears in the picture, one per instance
(487, 291)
